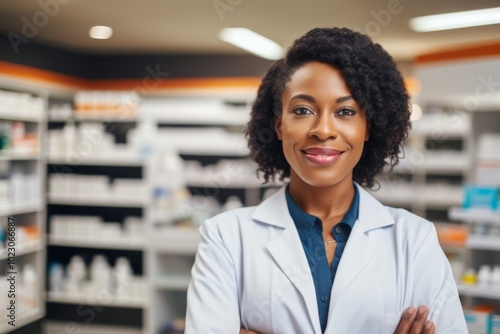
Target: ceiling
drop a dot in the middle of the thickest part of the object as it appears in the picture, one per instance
(191, 26)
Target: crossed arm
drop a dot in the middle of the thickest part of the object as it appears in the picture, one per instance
(413, 321)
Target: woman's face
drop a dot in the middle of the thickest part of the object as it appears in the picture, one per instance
(322, 127)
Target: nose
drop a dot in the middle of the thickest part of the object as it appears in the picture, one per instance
(324, 127)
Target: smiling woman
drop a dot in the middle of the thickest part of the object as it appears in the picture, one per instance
(322, 255)
(322, 127)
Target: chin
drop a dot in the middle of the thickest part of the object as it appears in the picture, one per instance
(324, 181)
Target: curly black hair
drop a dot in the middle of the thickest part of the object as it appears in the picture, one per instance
(374, 81)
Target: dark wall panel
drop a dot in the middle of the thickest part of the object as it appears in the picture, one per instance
(130, 66)
(36, 55)
(180, 66)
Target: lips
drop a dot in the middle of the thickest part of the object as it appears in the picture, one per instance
(321, 155)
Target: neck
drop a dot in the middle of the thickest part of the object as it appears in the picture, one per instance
(323, 202)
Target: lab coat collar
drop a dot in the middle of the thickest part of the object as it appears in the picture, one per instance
(274, 210)
(359, 250)
(286, 250)
(293, 261)
(372, 214)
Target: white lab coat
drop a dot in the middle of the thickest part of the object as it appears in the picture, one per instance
(251, 271)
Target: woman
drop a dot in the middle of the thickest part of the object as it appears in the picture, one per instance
(322, 255)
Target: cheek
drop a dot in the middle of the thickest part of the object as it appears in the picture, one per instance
(356, 135)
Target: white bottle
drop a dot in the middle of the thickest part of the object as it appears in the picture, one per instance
(69, 137)
(233, 202)
(76, 272)
(495, 277)
(100, 275)
(484, 275)
(143, 139)
(169, 179)
(123, 276)
(56, 278)
(29, 282)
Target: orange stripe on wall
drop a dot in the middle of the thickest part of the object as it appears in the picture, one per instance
(146, 83)
(474, 51)
(36, 74)
(149, 83)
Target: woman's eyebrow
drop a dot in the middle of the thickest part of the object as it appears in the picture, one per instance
(303, 97)
(311, 99)
(344, 98)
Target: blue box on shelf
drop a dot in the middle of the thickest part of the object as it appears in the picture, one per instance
(480, 197)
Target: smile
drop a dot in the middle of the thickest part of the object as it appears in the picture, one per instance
(322, 156)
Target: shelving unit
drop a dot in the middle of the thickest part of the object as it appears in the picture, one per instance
(436, 162)
(61, 327)
(167, 253)
(112, 206)
(483, 249)
(22, 203)
(89, 300)
(482, 245)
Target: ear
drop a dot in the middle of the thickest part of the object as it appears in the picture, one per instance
(277, 127)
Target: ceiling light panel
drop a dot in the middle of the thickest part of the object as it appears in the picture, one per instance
(252, 42)
(472, 18)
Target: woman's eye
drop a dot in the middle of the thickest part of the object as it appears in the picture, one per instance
(301, 111)
(346, 112)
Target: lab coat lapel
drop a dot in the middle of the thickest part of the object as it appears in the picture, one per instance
(288, 253)
(358, 251)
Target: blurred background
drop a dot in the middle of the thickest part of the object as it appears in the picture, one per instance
(121, 130)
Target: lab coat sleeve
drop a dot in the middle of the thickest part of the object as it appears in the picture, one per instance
(212, 298)
(435, 286)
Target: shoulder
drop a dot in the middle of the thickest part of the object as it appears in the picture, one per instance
(407, 218)
(231, 217)
(228, 223)
(411, 228)
(374, 215)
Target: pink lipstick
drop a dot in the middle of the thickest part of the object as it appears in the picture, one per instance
(321, 156)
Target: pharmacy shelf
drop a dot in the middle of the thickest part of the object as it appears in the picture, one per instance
(484, 243)
(230, 185)
(433, 167)
(167, 217)
(434, 128)
(105, 118)
(172, 283)
(24, 249)
(20, 208)
(22, 319)
(482, 216)
(99, 244)
(179, 241)
(86, 300)
(9, 156)
(58, 119)
(83, 328)
(103, 159)
(17, 116)
(236, 118)
(403, 199)
(441, 202)
(216, 150)
(492, 292)
(108, 201)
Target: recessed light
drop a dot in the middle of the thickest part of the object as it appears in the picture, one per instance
(253, 42)
(101, 32)
(471, 18)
